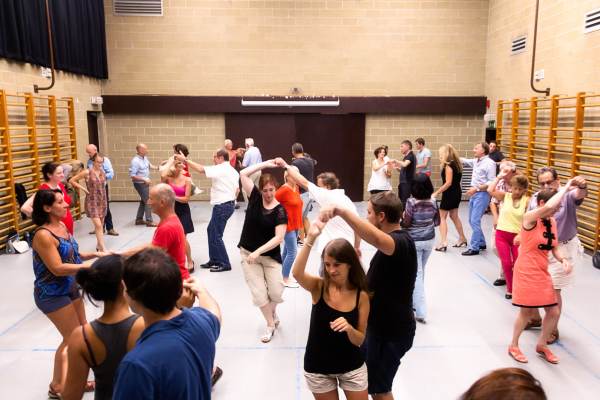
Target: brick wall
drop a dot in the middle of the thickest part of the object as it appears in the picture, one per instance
(203, 134)
(462, 131)
(323, 47)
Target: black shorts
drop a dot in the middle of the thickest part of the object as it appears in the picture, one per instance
(383, 359)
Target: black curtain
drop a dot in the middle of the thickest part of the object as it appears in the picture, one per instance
(78, 34)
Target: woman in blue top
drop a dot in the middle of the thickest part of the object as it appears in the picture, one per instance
(56, 259)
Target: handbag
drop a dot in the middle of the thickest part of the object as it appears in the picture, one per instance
(596, 260)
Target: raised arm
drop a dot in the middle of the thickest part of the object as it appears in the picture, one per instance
(293, 172)
(247, 184)
(548, 209)
(497, 194)
(74, 181)
(27, 207)
(369, 233)
(193, 165)
(307, 281)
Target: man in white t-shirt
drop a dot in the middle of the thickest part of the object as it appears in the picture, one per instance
(327, 193)
(223, 192)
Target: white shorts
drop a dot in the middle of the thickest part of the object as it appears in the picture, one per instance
(572, 251)
(352, 381)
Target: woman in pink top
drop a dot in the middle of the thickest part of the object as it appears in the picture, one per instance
(532, 284)
(173, 174)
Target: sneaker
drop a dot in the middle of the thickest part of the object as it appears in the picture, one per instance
(220, 268)
(112, 232)
(140, 222)
(500, 282)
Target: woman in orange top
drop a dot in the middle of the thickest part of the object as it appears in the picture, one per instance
(532, 284)
(289, 197)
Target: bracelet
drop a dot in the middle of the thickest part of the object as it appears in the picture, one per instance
(309, 244)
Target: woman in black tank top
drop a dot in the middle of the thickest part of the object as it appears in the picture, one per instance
(101, 344)
(338, 319)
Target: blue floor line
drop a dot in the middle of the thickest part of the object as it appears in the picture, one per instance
(15, 324)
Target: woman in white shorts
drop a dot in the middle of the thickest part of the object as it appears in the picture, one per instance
(338, 319)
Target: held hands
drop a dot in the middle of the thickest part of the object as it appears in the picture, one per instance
(280, 162)
(316, 227)
(328, 213)
(179, 157)
(578, 181)
(340, 325)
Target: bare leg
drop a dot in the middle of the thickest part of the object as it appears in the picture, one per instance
(188, 254)
(522, 318)
(548, 324)
(333, 395)
(267, 311)
(443, 228)
(362, 395)
(458, 225)
(383, 396)
(99, 231)
(560, 303)
(65, 319)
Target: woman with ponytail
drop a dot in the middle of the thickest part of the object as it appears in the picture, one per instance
(102, 343)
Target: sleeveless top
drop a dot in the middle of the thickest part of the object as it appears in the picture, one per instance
(179, 190)
(511, 218)
(327, 351)
(46, 283)
(379, 180)
(114, 337)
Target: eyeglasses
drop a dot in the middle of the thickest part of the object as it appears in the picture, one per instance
(547, 183)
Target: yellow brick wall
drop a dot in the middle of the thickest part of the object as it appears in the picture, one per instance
(569, 57)
(323, 47)
(19, 78)
(462, 131)
(202, 134)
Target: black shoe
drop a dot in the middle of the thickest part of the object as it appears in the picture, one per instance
(508, 296)
(470, 252)
(484, 247)
(500, 282)
(237, 207)
(207, 265)
(220, 268)
(216, 375)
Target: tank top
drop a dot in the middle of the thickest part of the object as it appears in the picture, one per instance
(179, 190)
(379, 180)
(47, 284)
(114, 337)
(511, 218)
(329, 352)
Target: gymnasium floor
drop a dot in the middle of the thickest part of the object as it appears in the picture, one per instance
(468, 330)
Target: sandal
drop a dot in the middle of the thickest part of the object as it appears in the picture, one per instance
(545, 353)
(191, 270)
(461, 244)
(516, 354)
(276, 320)
(441, 248)
(52, 394)
(90, 386)
(266, 338)
(554, 336)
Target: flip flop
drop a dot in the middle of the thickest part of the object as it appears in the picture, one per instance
(517, 355)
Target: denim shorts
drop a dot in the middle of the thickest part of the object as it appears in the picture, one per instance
(383, 359)
(50, 304)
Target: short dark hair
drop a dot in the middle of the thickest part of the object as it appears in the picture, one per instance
(329, 179)
(44, 197)
(265, 179)
(492, 141)
(422, 188)
(153, 279)
(408, 143)
(102, 281)
(520, 181)
(377, 150)
(421, 141)
(486, 147)
(181, 148)
(223, 153)
(48, 169)
(297, 148)
(545, 195)
(389, 204)
(545, 170)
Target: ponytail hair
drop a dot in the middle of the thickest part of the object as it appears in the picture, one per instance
(102, 281)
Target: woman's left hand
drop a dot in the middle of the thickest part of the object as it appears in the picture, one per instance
(251, 259)
(340, 325)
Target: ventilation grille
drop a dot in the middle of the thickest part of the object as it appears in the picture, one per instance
(518, 45)
(592, 21)
(144, 8)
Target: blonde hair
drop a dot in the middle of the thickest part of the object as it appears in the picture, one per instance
(449, 155)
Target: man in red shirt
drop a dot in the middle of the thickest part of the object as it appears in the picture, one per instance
(169, 234)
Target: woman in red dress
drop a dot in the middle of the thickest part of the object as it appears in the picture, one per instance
(54, 177)
(532, 284)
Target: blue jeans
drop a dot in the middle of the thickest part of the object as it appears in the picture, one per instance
(216, 248)
(290, 248)
(477, 206)
(423, 252)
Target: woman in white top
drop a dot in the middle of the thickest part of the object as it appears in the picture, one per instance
(380, 173)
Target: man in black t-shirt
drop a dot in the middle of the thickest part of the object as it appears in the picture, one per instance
(306, 166)
(391, 278)
(407, 170)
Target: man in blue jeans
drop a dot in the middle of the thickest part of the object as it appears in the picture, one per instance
(484, 171)
(223, 192)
